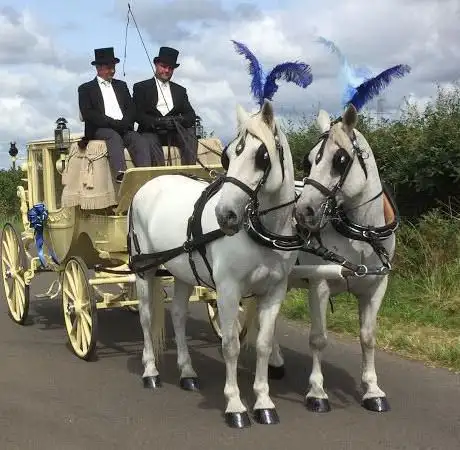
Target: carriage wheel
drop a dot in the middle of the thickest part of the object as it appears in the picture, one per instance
(79, 305)
(214, 318)
(14, 264)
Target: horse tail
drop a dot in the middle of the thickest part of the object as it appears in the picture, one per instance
(158, 310)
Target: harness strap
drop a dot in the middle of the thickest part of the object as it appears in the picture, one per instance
(195, 229)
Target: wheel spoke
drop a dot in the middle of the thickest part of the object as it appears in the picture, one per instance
(87, 318)
(86, 331)
(77, 321)
(69, 294)
(7, 249)
(18, 296)
(71, 282)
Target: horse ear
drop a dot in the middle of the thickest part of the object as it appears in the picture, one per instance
(241, 115)
(268, 115)
(350, 118)
(323, 120)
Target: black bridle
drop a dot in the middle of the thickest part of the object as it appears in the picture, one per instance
(338, 215)
(262, 161)
(330, 204)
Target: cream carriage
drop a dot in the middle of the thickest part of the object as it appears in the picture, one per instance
(74, 220)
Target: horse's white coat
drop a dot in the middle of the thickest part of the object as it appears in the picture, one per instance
(369, 290)
(160, 211)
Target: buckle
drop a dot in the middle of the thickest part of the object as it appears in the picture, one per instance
(361, 271)
(188, 246)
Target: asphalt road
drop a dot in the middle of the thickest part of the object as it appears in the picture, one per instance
(49, 399)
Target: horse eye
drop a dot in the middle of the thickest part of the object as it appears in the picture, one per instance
(319, 155)
(224, 161)
(340, 160)
(262, 159)
(239, 147)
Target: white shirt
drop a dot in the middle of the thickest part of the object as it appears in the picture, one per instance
(165, 101)
(112, 108)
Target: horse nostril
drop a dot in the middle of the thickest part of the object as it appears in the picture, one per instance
(309, 211)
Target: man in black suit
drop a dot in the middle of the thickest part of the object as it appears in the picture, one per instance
(163, 110)
(108, 111)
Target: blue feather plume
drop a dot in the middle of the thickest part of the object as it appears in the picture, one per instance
(255, 69)
(333, 48)
(264, 87)
(359, 86)
(295, 72)
(370, 88)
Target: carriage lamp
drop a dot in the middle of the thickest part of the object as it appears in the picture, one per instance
(198, 127)
(61, 142)
(13, 153)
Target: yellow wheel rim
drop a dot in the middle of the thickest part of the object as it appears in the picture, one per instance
(79, 308)
(16, 290)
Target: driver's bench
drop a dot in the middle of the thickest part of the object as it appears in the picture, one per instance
(88, 181)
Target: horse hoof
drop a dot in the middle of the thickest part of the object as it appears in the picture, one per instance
(275, 373)
(238, 420)
(318, 405)
(152, 382)
(266, 416)
(190, 384)
(376, 404)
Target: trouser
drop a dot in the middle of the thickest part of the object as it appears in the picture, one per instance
(136, 145)
(184, 140)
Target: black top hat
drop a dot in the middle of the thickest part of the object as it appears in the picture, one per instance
(167, 55)
(104, 56)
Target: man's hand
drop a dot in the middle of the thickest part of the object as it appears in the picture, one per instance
(164, 123)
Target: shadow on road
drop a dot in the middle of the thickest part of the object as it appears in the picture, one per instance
(120, 335)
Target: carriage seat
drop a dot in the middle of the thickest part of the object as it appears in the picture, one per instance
(88, 180)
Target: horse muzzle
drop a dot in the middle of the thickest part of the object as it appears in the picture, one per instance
(308, 220)
(229, 221)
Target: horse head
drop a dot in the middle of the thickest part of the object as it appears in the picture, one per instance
(256, 162)
(339, 175)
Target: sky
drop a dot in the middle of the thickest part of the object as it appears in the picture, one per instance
(46, 48)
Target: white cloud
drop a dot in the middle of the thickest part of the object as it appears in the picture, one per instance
(39, 83)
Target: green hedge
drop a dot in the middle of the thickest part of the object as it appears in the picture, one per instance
(418, 155)
(9, 201)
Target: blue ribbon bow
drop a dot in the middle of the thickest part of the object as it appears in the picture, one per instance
(37, 217)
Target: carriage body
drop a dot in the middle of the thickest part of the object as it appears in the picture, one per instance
(81, 233)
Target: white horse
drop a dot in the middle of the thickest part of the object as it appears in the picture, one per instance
(260, 168)
(344, 187)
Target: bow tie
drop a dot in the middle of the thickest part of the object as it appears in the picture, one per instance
(106, 83)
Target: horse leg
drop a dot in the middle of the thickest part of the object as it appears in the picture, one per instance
(228, 300)
(374, 399)
(144, 287)
(316, 399)
(179, 310)
(276, 369)
(269, 306)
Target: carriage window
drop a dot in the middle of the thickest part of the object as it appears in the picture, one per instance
(37, 179)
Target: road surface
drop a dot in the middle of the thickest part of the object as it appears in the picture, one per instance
(51, 400)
